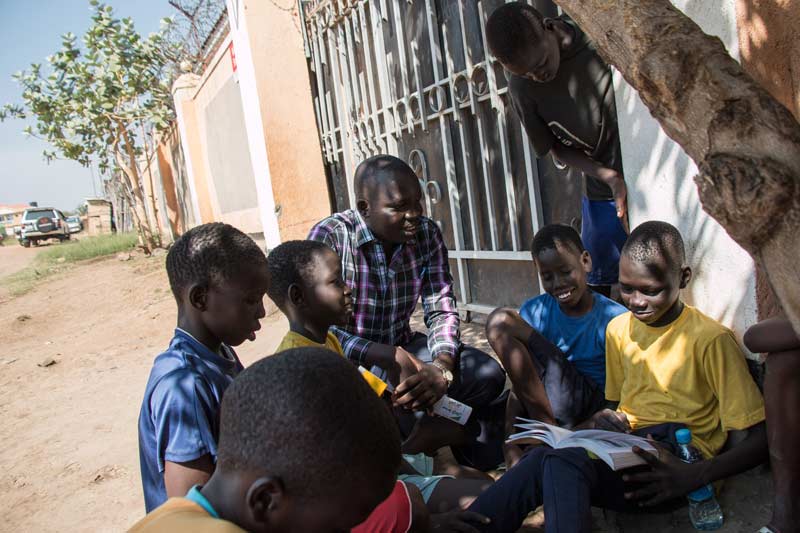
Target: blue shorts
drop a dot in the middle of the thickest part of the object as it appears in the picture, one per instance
(603, 236)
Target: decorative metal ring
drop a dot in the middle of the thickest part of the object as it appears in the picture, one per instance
(415, 107)
(436, 99)
(419, 164)
(401, 113)
(461, 88)
(434, 191)
(480, 80)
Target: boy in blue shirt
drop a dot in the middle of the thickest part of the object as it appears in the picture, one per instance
(554, 349)
(219, 277)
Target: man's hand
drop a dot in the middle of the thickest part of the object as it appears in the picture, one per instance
(461, 521)
(610, 420)
(619, 190)
(421, 390)
(668, 478)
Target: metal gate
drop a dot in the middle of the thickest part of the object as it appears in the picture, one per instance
(411, 78)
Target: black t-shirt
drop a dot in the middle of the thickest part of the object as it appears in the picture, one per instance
(576, 108)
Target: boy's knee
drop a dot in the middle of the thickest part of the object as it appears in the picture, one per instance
(567, 462)
(501, 323)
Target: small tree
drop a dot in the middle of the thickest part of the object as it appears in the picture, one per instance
(96, 102)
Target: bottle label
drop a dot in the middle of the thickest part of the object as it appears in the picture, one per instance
(700, 495)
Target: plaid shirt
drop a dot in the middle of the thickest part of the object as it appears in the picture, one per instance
(384, 296)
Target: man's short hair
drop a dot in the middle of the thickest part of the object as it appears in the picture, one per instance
(655, 239)
(211, 253)
(552, 234)
(290, 262)
(511, 28)
(377, 170)
(306, 416)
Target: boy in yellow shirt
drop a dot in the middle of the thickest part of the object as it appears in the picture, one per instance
(307, 286)
(667, 366)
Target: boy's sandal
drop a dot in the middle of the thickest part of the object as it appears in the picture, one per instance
(766, 529)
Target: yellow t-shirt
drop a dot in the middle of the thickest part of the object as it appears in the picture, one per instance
(180, 515)
(690, 371)
(295, 340)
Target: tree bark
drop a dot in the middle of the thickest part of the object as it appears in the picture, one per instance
(130, 171)
(745, 143)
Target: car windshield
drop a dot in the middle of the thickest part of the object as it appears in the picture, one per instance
(36, 215)
(72, 219)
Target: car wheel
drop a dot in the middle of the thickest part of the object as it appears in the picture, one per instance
(26, 243)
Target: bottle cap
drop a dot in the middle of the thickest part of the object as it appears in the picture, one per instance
(683, 436)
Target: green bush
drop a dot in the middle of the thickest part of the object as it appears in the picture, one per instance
(87, 248)
(48, 260)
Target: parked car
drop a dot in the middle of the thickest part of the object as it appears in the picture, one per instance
(42, 223)
(74, 224)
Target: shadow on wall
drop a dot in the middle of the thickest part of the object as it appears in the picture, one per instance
(661, 187)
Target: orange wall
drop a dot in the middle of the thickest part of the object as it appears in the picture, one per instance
(167, 171)
(198, 161)
(287, 110)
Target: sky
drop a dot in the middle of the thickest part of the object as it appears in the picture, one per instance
(30, 30)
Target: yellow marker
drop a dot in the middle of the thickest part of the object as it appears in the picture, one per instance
(376, 383)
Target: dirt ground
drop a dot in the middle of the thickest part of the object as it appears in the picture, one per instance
(69, 459)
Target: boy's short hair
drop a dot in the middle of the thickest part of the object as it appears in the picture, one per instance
(655, 238)
(211, 253)
(289, 263)
(308, 417)
(551, 234)
(512, 27)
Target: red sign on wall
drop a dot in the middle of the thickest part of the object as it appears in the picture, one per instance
(233, 56)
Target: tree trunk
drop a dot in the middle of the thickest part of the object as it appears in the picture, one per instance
(745, 143)
(127, 163)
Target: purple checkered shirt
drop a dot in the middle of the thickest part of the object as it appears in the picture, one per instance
(384, 296)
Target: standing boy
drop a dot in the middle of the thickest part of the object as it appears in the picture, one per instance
(219, 277)
(563, 94)
(666, 364)
(305, 445)
(554, 349)
(392, 257)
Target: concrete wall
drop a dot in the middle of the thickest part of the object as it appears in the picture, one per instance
(660, 185)
(295, 160)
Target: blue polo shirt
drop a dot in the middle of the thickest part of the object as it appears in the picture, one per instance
(179, 418)
(582, 338)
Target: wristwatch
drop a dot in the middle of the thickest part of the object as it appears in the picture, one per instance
(448, 376)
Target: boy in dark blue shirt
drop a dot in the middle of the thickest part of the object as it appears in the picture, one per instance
(562, 91)
(219, 277)
(554, 348)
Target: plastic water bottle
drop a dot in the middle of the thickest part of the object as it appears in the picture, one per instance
(704, 511)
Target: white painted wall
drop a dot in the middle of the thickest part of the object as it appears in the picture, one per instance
(661, 187)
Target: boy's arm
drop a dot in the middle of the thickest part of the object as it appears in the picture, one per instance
(579, 160)
(771, 335)
(180, 477)
(672, 478)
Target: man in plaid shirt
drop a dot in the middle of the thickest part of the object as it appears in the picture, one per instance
(391, 256)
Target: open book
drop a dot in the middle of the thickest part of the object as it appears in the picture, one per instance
(613, 448)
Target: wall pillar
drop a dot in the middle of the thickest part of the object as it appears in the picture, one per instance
(245, 70)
